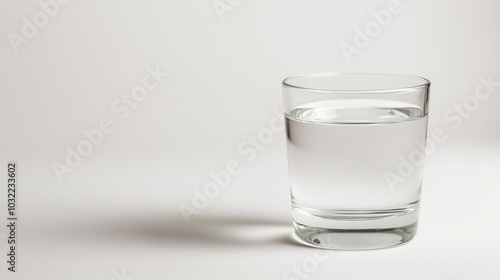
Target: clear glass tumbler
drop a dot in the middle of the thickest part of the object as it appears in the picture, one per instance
(356, 151)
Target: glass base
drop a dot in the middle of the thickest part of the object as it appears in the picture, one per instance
(355, 230)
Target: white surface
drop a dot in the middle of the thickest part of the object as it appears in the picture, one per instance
(119, 208)
(107, 221)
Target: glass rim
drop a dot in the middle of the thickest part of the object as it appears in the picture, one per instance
(424, 83)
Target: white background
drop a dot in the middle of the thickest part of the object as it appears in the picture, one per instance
(117, 213)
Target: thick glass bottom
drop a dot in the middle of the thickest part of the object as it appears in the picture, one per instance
(355, 230)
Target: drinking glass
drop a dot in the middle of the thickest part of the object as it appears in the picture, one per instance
(356, 151)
